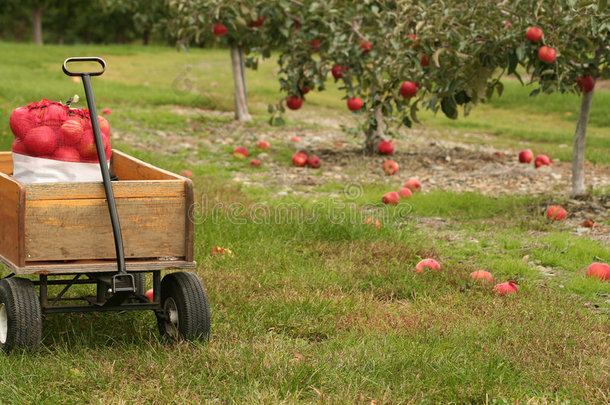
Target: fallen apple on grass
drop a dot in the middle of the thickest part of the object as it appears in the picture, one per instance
(385, 147)
(187, 173)
(240, 152)
(405, 193)
(542, 160)
(556, 213)
(427, 264)
(255, 163)
(263, 145)
(295, 139)
(482, 275)
(299, 159)
(526, 156)
(106, 111)
(314, 162)
(219, 251)
(413, 184)
(373, 222)
(599, 270)
(390, 167)
(391, 198)
(506, 288)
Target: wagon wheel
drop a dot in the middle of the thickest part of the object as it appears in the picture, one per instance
(139, 280)
(185, 311)
(20, 315)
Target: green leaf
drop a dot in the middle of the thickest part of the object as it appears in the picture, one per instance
(462, 98)
(449, 107)
(601, 5)
(407, 122)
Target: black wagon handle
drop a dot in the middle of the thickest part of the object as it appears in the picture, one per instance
(84, 59)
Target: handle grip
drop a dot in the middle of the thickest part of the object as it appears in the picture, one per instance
(84, 59)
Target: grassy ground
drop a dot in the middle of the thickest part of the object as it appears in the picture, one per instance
(329, 310)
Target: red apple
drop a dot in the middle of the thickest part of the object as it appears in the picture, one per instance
(315, 45)
(546, 54)
(354, 103)
(599, 270)
(534, 34)
(294, 102)
(337, 71)
(508, 24)
(427, 264)
(240, 152)
(299, 159)
(499, 155)
(67, 154)
(391, 198)
(106, 111)
(314, 162)
(373, 222)
(150, 294)
(40, 141)
(506, 288)
(425, 61)
(217, 250)
(390, 167)
(366, 46)
(263, 145)
(526, 156)
(255, 163)
(295, 139)
(542, 160)
(104, 125)
(86, 147)
(586, 83)
(304, 90)
(405, 193)
(21, 121)
(556, 213)
(71, 131)
(385, 147)
(187, 173)
(258, 22)
(219, 30)
(54, 114)
(19, 147)
(413, 184)
(482, 275)
(408, 89)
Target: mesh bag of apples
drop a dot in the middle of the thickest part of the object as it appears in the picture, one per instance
(55, 143)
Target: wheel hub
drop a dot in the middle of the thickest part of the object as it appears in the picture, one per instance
(3, 323)
(171, 316)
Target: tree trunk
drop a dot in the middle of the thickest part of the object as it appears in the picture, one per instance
(37, 26)
(375, 134)
(239, 81)
(146, 37)
(578, 154)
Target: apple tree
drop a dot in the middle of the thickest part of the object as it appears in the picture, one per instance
(565, 47)
(248, 27)
(391, 58)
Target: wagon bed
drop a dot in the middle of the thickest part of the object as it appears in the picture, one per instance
(64, 228)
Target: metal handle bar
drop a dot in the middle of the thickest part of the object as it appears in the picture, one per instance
(84, 59)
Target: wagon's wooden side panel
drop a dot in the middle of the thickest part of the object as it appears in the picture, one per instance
(80, 229)
(130, 168)
(12, 206)
(6, 162)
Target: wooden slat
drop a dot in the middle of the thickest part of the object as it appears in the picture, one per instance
(189, 228)
(6, 162)
(97, 266)
(81, 229)
(129, 168)
(73, 191)
(12, 205)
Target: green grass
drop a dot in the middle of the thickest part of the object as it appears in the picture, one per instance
(327, 309)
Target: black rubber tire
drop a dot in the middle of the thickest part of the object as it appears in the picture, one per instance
(19, 299)
(185, 294)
